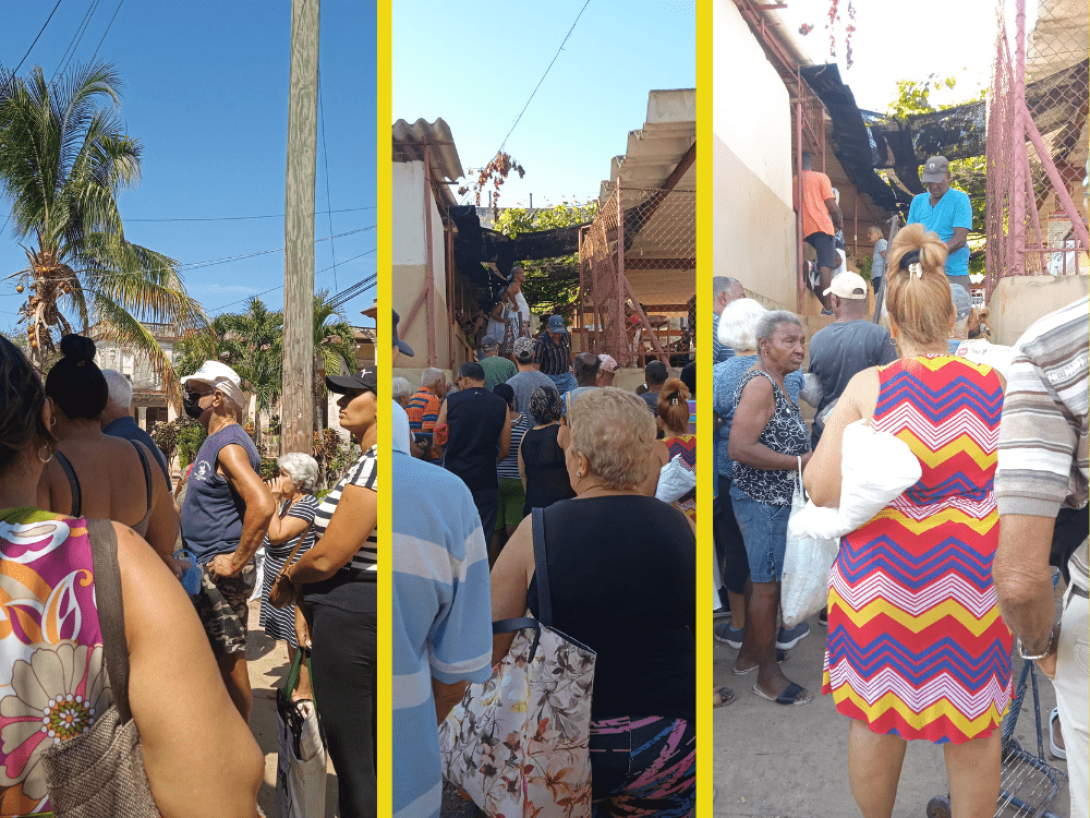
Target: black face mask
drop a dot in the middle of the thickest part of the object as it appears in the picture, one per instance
(191, 405)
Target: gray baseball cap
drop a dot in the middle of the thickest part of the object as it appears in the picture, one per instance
(935, 170)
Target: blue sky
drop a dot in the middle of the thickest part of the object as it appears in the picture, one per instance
(205, 91)
(476, 63)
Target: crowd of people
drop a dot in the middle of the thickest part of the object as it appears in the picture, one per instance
(70, 455)
(540, 433)
(928, 599)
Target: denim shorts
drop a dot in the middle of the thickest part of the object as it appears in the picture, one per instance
(764, 530)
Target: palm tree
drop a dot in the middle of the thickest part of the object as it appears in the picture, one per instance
(257, 335)
(63, 160)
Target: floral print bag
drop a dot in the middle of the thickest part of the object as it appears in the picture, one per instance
(518, 745)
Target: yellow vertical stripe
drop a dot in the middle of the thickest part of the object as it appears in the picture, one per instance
(705, 550)
(384, 180)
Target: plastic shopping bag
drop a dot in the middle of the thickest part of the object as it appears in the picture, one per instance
(301, 765)
(875, 469)
(675, 480)
(806, 564)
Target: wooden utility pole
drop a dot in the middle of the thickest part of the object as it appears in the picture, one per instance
(298, 409)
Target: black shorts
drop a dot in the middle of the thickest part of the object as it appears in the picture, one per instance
(826, 249)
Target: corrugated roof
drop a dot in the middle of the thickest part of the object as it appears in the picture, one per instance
(408, 146)
(655, 150)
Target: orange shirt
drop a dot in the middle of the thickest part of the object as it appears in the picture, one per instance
(816, 188)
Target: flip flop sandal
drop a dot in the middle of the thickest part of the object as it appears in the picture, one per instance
(1056, 750)
(781, 657)
(789, 698)
(724, 696)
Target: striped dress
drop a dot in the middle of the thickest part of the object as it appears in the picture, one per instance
(280, 624)
(916, 645)
(684, 445)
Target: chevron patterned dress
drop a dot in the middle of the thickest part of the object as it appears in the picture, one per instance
(916, 644)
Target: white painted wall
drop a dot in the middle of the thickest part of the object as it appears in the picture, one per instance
(754, 216)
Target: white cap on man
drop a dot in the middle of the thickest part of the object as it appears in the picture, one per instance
(222, 377)
(848, 285)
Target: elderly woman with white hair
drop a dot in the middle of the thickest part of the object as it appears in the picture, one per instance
(621, 568)
(401, 390)
(291, 535)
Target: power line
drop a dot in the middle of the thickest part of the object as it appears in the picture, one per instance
(212, 262)
(241, 218)
(111, 25)
(76, 39)
(40, 33)
(280, 287)
(325, 157)
(543, 76)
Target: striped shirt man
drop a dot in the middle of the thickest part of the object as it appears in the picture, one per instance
(423, 410)
(441, 620)
(363, 473)
(553, 357)
(1043, 461)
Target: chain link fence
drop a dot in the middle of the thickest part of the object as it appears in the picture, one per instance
(1037, 142)
(637, 275)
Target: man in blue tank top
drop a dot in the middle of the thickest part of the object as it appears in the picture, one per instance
(224, 520)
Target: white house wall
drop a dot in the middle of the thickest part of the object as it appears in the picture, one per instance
(409, 263)
(754, 216)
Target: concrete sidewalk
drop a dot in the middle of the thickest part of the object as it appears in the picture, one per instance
(268, 666)
(775, 761)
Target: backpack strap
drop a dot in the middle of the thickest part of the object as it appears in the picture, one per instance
(73, 484)
(111, 611)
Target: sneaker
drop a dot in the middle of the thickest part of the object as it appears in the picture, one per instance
(729, 636)
(787, 639)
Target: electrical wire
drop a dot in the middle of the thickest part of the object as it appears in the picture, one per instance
(325, 157)
(76, 39)
(196, 264)
(40, 33)
(111, 25)
(242, 218)
(547, 70)
(281, 286)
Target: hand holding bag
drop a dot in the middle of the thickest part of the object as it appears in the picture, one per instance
(282, 592)
(301, 756)
(806, 564)
(519, 744)
(100, 773)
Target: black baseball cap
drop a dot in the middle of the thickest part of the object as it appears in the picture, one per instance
(405, 348)
(366, 379)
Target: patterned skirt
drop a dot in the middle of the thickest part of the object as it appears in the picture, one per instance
(916, 644)
(278, 624)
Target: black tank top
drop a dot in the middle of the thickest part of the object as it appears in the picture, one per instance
(622, 571)
(546, 475)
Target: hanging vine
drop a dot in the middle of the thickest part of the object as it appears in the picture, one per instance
(494, 173)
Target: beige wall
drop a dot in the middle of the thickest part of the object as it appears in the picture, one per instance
(1018, 301)
(409, 264)
(754, 217)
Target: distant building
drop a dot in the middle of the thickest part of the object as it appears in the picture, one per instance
(149, 398)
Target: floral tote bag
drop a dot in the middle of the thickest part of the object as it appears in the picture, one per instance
(518, 745)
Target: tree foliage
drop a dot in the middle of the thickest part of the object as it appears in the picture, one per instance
(64, 158)
(552, 285)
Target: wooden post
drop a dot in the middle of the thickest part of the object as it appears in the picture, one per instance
(429, 259)
(298, 418)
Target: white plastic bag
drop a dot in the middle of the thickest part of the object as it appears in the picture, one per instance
(981, 351)
(805, 579)
(301, 765)
(875, 468)
(675, 480)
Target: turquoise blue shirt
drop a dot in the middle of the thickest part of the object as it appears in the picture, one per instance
(441, 622)
(953, 210)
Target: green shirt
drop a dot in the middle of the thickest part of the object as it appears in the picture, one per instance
(497, 370)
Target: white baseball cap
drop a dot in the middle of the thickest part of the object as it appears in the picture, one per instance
(222, 377)
(848, 285)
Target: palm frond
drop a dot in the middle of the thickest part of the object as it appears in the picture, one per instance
(116, 324)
